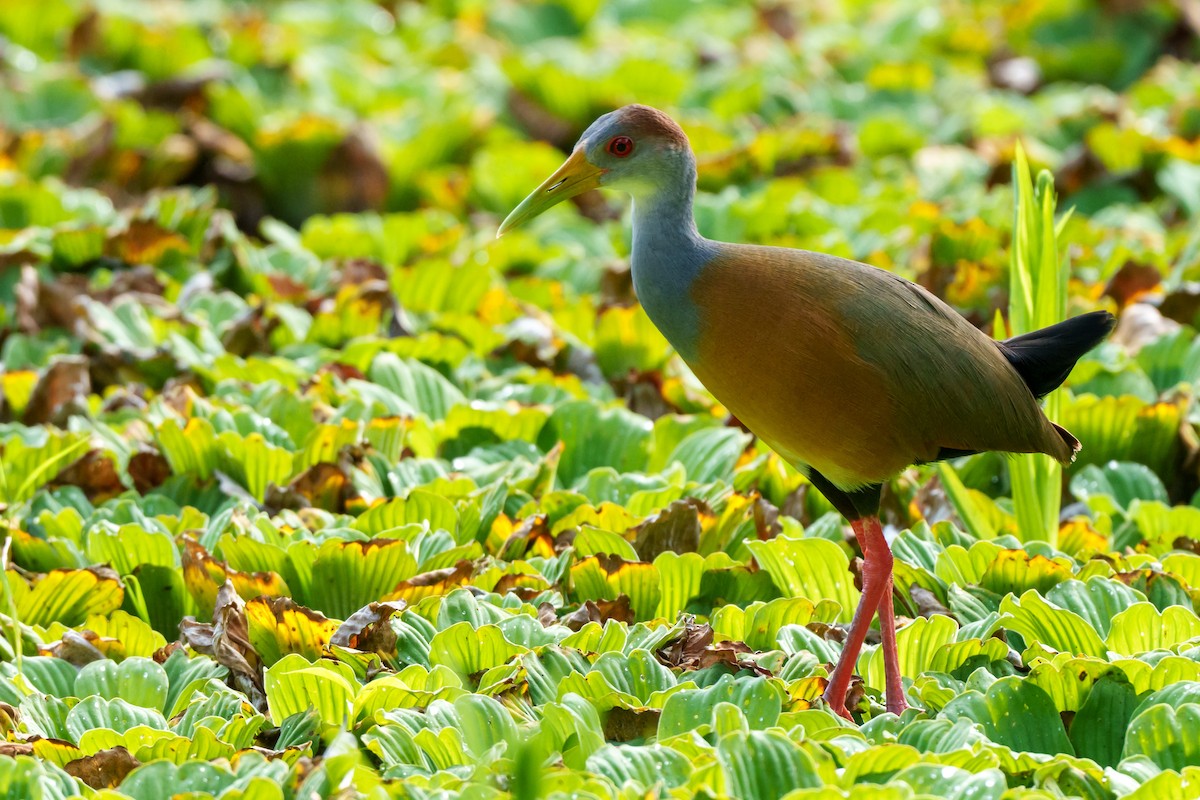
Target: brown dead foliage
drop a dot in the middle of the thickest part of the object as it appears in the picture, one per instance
(694, 649)
(104, 770)
(61, 391)
(148, 470)
(600, 611)
(95, 473)
(226, 639)
(369, 629)
(676, 529)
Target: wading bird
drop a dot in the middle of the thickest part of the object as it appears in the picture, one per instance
(847, 371)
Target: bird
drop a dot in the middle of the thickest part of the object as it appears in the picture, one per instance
(849, 372)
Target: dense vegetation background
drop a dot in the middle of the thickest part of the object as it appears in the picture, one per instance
(313, 489)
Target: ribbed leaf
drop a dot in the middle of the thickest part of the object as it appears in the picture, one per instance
(679, 580)
(348, 575)
(1036, 620)
(1166, 735)
(117, 715)
(1097, 601)
(596, 438)
(277, 626)
(1098, 729)
(760, 700)
(485, 724)
(467, 651)
(1014, 713)
(294, 685)
(421, 386)
(764, 765)
(190, 450)
(605, 578)
(815, 569)
(1121, 481)
(140, 681)
(68, 596)
(127, 547)
(419, 507)
(1143, 627)
(641, 767)
(758, 625)
(254, 462)
(710, 454)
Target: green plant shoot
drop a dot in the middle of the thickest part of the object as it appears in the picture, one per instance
(1037, 285)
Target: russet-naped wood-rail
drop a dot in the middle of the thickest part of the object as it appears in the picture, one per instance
(849, 372)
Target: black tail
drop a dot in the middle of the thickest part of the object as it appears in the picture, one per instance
(1045, 357)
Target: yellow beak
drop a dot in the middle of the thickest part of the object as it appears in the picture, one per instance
(575, 176)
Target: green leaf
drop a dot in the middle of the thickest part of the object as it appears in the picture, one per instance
(710, 454)
(421, 386)
(593, 438)
(254, 462)
(127, 547)
(1097, 601)
(679, 578)
(1166, 736)
(1014, 713)
(467, 650)
(1143, 627)
(1098, 729)
(348, 575)
(641, 767)
(1039, 621)
(929, 645)
(764, 765)
(1123, 481)
(485, 724)
(815, 569)
(116, 714)
(420, 507)
(293, 685)
(140, 681)
(952, 783)
(759, 699)
(68, 596)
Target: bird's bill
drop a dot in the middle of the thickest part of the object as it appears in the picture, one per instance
(575, 176)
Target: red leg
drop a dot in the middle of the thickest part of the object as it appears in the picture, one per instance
(891, 659)
(876, 578)
(877, 594)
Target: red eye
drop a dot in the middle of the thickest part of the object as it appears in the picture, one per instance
(620, 146)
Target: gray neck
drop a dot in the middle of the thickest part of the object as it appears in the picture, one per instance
(668, 251)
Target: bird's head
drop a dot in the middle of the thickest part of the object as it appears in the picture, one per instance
(636, 148)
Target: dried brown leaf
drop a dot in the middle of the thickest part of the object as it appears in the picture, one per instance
(927, 603)
(95, 473)
(323, 485)
(105, 770)
(1132, 282)
(148, 470)
(676, 529)
(354, 177)
(77, 648)
(686, 650)
(62, 391)
(547, 615)
(369, 629)
(434, 582)
(600, 611)
(226, 639)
